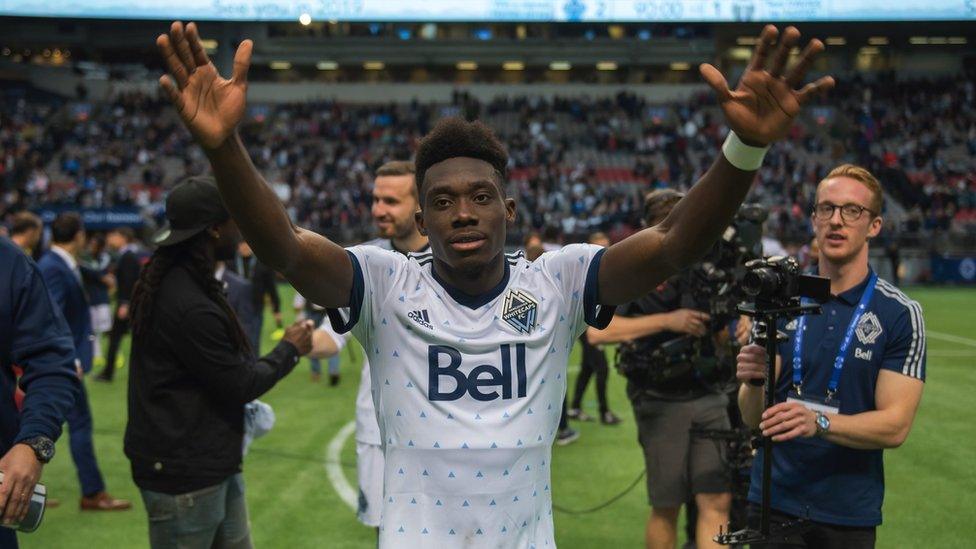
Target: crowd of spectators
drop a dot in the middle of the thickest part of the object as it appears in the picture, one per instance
(578, 164)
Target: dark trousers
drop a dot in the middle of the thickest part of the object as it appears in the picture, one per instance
(252, 329)
(816, 535)
(120, 327)
(8, 538)
(594, 362)
(79, 421)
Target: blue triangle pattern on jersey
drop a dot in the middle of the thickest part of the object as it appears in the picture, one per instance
(438, 502)
(519, 443)
(505, 474)
(447, 322)
(398, 414)
(402, 298)
(396, 354)
(384, 321)
(559, 376)
(391, 271)
(413, 501)
(493, 445)
(505, 415)
(451, 532)
(543, 381)
(425, 415)
(559, 276)
(400, 471)
(409, 385)
(514, 499)
(492, 503)
(530, 412)
(478, 416)
(581, 260)
(390, 500)
(450, 475)
(549, 407)
(436, 445)
(479, 475)
(562, 318)
(526, 467)
(400, 530)
(479, 532)
(538, 440)
(464, 445)
(576, 295)
(410, 442)
(465, 504)
(387, 382)
(504, 529)
(425, 473)
(534, 493)
(547, 488)
(450, 416)
(524, 524)
(424, 531)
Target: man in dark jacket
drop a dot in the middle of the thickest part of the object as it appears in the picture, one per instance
(191, 359)
(131, 258)
(59, 267)
(34, 336)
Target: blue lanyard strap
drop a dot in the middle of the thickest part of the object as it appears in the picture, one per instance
(801, 325)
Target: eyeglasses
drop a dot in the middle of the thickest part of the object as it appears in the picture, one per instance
(848, 212)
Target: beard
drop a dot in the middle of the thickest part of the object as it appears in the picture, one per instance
(225, 252)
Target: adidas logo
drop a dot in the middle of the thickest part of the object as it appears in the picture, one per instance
(421, 317)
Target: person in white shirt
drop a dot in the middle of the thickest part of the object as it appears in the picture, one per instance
(468, 345)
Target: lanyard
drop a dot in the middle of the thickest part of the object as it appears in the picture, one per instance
(841, 353)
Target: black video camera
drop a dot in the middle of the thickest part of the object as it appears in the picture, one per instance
(778, 283)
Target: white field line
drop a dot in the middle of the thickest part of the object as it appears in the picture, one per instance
(333, 468)
(951, 338)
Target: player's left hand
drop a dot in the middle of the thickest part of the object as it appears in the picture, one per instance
(762, 107)
(788, 420)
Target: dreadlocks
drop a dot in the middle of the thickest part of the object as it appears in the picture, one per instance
(198, 258)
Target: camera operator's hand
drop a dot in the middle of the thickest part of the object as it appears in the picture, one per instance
(688, 321)
(299, 334)
(21, 471)
(751, 364)
(788, 420)
(743, 329)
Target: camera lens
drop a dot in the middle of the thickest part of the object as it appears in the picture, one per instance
(761, 282)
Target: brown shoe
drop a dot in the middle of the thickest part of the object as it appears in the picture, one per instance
(51, 503)
(102, 501)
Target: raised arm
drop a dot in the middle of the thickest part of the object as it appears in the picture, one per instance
(760, 111)
(211, 108)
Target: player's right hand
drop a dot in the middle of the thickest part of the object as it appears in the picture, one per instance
(751, 364)
(211, 106)
(688, 321)
(299, 334)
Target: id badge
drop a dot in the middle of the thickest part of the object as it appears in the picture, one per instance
(815, 404)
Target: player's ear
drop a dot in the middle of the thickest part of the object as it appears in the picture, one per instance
(418, 218)
(875, 227)
(510, 210)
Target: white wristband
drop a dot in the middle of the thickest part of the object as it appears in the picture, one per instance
(742, 156)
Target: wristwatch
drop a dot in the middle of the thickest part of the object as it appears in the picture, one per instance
(43, 447)
(823, 424)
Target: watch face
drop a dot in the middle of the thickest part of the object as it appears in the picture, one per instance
(823, 422)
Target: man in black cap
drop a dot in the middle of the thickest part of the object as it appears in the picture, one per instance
(191, 359)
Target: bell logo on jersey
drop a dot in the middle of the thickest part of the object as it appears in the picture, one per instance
(481, 378)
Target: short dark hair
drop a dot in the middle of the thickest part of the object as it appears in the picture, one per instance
(23, 222)
(66, 227)
(658, 204)
(396, 167)
(454, 137)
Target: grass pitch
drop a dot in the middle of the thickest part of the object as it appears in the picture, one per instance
(931, 481)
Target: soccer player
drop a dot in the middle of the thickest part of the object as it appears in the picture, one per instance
(394, 205)
(468, 345)
(855, 386)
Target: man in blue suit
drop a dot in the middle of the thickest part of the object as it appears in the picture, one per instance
(36, 355)
(61, 273)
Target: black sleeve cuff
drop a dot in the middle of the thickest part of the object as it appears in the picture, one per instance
(595, 314)
(284, 355)
(339, 322)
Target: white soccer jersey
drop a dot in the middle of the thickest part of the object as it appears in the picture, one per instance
(468, 391)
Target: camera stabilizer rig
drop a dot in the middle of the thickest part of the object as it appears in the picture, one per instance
(777, 286)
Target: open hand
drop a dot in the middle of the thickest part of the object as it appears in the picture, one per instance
(762, 107)
(211, 106)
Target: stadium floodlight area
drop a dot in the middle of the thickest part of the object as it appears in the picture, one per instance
(668, 11)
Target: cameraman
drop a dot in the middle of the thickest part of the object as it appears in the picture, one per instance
(679, 466)
(852, 391)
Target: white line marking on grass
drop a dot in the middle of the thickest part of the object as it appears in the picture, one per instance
(952, 338)
(334, 469)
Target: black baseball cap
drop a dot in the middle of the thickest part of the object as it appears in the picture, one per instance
(192, 206)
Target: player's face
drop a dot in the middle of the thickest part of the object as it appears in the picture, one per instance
(464, 213)
(839, 240)
(394, 206)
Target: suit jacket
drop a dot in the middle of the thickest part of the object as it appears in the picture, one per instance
(239, 292)
(127, 273)
(69, 296)
(262, 280)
